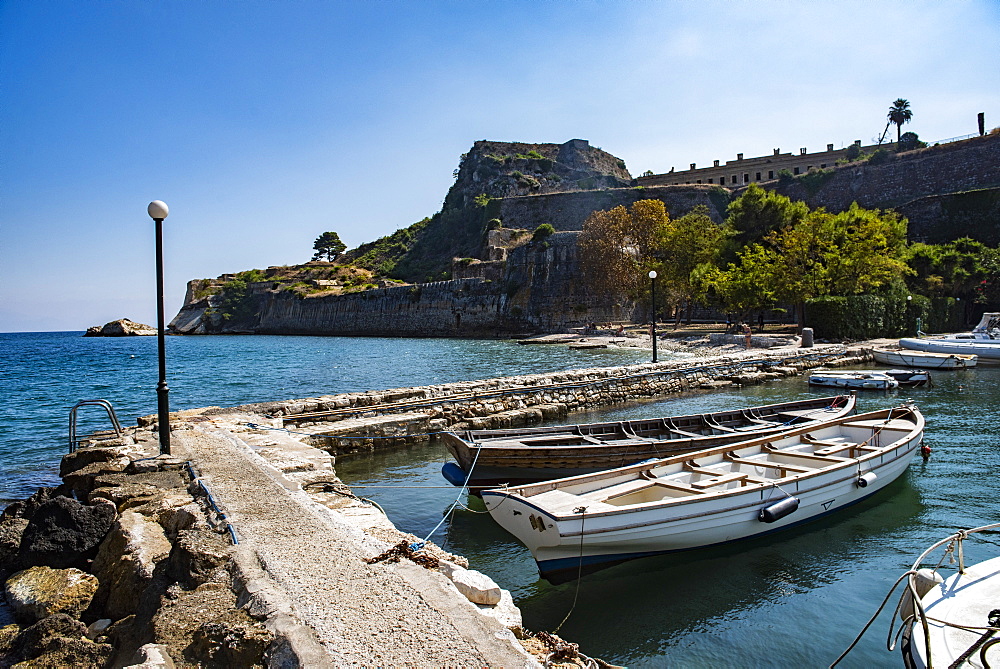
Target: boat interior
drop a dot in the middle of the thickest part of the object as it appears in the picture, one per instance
(651, 429)
(763, 463)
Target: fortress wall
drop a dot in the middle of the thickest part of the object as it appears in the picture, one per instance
(947, 168)
(568, 211)
(441, 308)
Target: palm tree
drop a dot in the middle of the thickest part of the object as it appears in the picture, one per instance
(899, 113)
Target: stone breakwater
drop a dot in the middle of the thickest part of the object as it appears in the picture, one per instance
(244, 548)
(379, 419)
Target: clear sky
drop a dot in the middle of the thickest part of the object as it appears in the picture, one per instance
(263, 124)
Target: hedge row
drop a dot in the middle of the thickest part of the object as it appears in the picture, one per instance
(871, 316)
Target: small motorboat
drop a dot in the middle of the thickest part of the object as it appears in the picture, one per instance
(529, 454)
(853, 379)
(710, 497)
(923, 359)
(910, 378)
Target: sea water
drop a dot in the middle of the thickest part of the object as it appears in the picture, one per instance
(795, 599)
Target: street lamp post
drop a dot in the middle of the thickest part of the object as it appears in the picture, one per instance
(652, 295)
(158, 211)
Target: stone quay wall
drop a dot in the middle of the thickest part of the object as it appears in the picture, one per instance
(378, 419)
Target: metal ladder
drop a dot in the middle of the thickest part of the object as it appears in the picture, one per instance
(74, 440)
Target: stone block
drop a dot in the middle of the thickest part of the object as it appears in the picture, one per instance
(477, 587)
(39, 592)
(126, 562)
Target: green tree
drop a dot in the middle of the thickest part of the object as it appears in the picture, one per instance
(759, 211)
(910, 141)
(899, 113)
(328, 244)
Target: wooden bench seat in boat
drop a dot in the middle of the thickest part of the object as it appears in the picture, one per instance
(560, 502)
(783, 467)
(814, 457)
(833, 447)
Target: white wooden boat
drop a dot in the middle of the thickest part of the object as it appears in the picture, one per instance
(953, 615)
(853, 379)
(710, 497)
(923, 359)
(514, 456)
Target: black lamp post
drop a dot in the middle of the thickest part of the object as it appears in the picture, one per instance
(158, 211)
(652, 292)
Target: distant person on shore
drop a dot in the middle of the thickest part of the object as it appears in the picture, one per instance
(747, 334)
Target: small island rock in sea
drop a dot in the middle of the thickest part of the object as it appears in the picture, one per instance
(122, 327)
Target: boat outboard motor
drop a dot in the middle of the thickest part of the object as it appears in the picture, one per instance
(866, 480)
(778, 510)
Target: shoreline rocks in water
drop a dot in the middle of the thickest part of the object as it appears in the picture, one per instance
(122, 327)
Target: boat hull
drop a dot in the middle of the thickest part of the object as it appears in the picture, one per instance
(924, 360)
(580, 532)
(987, 353)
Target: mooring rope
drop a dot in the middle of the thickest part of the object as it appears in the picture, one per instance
(579, 571)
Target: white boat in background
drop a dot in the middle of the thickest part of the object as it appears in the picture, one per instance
(983, 341)
(986, 353)
(923, 359)
(986, 332)
(709, 497)
(853, 379)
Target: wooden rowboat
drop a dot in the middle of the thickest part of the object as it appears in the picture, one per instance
(525, 455)
(710, 497)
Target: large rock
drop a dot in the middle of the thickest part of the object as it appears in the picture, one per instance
(26, 508)
(11, 531)
(64, 533)
(40, 592)
(56, 641)
(198, 556)
(203, 626)
(127, 563)
(122, 327)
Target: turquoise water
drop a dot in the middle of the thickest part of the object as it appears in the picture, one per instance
(795, 599)
(792, 600)
(42, 375)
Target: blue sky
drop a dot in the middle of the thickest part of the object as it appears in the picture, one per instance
(263, 124)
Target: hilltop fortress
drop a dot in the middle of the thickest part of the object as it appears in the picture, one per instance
(473, 270)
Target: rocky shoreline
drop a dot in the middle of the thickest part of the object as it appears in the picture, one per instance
(243, 547)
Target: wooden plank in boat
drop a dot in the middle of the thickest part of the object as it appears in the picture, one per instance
(717, 480)
(770, 465)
